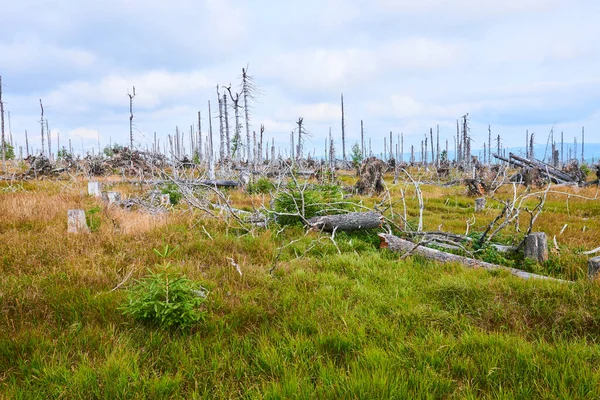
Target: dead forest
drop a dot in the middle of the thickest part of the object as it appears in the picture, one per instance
(198, 169)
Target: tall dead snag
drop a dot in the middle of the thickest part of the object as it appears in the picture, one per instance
(237, 142)
(347, 222)
(2, 127)
(362, 139)
(331, 155)
(343, 131)
(248, 91)
(433, 160)
(42, 125)
(226, 117)
(399, 245)
(200, 149)
(301, 138)
(131, 96)
(582, 145)
(210, 152)
(260, 145)
(221, 129)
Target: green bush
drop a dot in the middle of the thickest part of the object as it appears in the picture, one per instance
(173, 191)
(263, 185)
(318, 200)
(165, 299)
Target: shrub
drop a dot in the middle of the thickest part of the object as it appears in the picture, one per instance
(166, 299)
(92, 219)
(318, 200)
(263, 185)
(173, 191)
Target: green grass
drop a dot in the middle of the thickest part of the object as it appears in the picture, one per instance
(361, 324)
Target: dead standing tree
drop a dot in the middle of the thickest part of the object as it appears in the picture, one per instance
(42, 125)
(2, 127)
(343, 132)
(237, 142)
(249, 90)
(221, 130)
(131, 96)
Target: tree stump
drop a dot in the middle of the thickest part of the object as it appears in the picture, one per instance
(593, 267)
(76, 222)
(536, 247)
(94, 189)
(165, 199)
(111, 197)
(480, 204)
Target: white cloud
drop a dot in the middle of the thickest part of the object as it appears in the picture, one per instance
(153, 88)
(33, 54)
(317, 68)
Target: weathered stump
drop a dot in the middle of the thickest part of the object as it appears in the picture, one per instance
(480, 204)
(593, 267)
(536, 247)
(347, 222)
(111, 197)
(244, 178)
(165, 199)
(76, 222)
(94, 189)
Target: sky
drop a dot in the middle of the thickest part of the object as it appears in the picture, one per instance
(402, 66)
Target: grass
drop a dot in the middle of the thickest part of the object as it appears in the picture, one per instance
(361, 324)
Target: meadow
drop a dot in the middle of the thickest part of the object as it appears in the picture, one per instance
(303, 317)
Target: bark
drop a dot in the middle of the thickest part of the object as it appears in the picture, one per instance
(347, 222)
(77, 222)
(400, 245)
(536, 247)
(220, 183)
(593, 267)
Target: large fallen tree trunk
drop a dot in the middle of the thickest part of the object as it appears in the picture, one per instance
(220, 183)
(546, 168)
(396, 244)
(347, 222)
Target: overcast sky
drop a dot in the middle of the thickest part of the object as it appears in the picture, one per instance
(402, 65)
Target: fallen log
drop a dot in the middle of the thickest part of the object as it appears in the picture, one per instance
(396, 244)
(546, 169)
(220, 183)
(347, 222)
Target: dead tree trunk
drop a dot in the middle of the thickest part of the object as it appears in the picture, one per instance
(593, 267)
(2, 123)
(347, 222)
(343, 132)
(396, 244)
(76, 222)
(131, 96)
(42, 125)
(536, 247)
